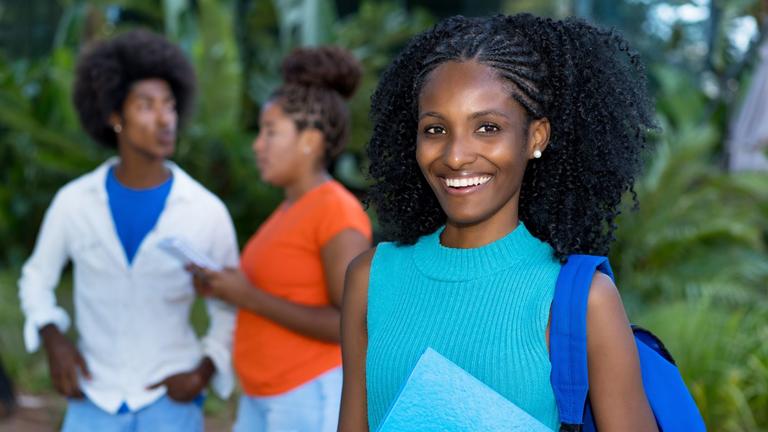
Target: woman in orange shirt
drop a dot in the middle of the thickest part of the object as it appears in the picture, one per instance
(289, 285)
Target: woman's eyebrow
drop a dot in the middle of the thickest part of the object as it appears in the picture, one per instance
(489, 113)
(431, 114)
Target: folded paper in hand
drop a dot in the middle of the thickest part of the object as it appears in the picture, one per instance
(186, 254)
(441, 396)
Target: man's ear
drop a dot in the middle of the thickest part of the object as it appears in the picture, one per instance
(115, 119)
(538, 136)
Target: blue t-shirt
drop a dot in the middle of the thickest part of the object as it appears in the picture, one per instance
(135, 211)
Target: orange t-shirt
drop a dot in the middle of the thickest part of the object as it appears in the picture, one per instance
(283, 258)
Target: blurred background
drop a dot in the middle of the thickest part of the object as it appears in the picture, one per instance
(691, 261)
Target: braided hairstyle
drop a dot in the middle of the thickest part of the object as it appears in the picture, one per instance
(316, 83)
(586, 81)
(106, 71)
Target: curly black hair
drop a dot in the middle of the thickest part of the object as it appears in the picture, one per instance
(586, 81)
(316, 83)
(106, 71)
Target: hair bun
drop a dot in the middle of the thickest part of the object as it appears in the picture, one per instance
(330, 67)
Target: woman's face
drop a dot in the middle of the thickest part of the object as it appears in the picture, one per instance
(277, 146)
(148, 120)
(473, 143)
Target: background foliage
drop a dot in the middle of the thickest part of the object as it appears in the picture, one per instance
(691, 261)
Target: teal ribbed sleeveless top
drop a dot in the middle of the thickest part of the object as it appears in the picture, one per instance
(486, 309)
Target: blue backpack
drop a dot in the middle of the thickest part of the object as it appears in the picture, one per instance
(672, 404)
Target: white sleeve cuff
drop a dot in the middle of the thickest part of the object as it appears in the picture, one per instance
(223, 380)
(56, 316)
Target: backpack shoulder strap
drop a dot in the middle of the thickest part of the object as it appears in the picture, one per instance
(568, 336)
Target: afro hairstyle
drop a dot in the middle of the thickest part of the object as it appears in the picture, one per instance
(106, 71)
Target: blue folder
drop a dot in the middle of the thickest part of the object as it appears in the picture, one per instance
(441, 396)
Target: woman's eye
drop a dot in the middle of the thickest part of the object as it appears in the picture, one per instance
(488, 128)
(434, 130)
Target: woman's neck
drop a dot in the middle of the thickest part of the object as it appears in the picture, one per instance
(304, 184)
(480, 234)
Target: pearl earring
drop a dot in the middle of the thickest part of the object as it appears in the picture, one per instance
(117, 128)
(537, 154)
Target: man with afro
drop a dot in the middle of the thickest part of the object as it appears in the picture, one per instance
(138, 364)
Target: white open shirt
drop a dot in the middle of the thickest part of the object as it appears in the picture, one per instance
(132, 320)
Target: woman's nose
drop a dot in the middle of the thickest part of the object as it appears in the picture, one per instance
(458, 153)
(258, 144)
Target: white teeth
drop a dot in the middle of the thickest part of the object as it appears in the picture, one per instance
(466, 181)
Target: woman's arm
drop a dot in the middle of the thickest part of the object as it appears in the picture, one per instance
(354, 342)
(319, 322)
(616, 387)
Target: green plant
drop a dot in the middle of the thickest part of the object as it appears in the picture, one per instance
(723, 356)
(692, 262)
(41, 146)
(699, 231)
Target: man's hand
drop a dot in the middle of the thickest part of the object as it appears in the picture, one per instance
(186, 386)
(63, 362)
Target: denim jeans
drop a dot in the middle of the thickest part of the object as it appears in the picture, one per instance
(311, 407)
(163, 415)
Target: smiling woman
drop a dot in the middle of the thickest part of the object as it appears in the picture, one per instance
(501, 146)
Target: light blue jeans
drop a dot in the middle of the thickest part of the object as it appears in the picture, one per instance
(163, 415)
(311, 407)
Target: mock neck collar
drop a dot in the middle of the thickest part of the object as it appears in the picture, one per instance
(454, 264)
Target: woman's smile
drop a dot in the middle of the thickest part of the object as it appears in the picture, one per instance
(465, 184)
